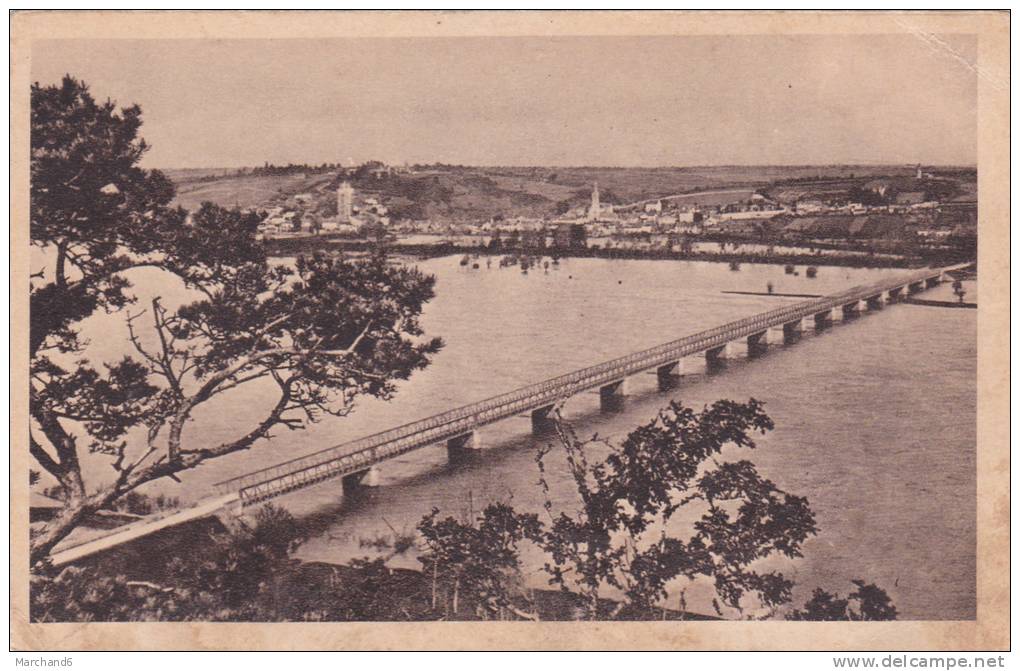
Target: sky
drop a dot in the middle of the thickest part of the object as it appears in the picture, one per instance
(550, 101)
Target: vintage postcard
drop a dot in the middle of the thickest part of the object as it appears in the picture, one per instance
(494, 330)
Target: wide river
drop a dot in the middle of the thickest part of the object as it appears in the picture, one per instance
(875, 419)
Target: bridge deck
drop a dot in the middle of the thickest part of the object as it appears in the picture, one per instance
(361, 454)
(358, 455)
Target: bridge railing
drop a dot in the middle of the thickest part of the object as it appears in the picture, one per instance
(361, 453)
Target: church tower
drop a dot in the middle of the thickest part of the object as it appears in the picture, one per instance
(596, 207)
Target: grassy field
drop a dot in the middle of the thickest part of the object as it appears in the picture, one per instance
(245, 191)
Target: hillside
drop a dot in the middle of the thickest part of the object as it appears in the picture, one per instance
(470, 194)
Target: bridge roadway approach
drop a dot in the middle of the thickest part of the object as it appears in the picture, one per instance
(354, 461)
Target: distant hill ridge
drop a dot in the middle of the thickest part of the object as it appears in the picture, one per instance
(464, 193)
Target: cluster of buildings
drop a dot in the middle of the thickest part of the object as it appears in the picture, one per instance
(306, 214)
(754, 215)
(791, 214)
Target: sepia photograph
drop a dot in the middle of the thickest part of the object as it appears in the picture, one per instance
(485, 318)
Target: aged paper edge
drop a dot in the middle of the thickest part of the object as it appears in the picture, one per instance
(990, 630)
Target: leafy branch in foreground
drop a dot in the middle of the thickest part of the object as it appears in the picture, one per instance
(626, 532)
(480, 557)
(867, 602)
(313, 337)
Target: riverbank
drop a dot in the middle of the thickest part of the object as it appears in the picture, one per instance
(294, 246)
(397, 595)
(154, 571)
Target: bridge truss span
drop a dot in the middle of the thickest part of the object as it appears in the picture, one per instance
(361, 454)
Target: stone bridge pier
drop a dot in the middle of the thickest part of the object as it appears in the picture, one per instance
(715, 357)
(851, 310)
(792, 331)
(895, 294)
(874, 302)
(463, 445)
(757, 344)
(540, 420)
(668, 375)
(915, 287)
(932, 281)
(368, 477)
(611, 395)
(823, 320)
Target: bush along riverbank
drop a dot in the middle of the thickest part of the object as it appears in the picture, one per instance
(606, 554)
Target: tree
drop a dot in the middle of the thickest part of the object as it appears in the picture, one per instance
(316, 335)
(857, 194)
(621, 537)
(479, 559)
(241, 572)
(867, 602)
(234, 577)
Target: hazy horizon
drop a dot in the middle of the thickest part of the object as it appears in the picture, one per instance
(686, 101)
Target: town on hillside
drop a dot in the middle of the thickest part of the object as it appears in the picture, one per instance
(878, 211)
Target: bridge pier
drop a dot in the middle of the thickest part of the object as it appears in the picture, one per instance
(366, 478)
(932, 281)
(874, 302)
(757, 344)
(851, 310)
(668, 375)
(915, 287)
(791, 331)
(611, 395)
(540, 421)
(715, 355)
(895, 294)
(459, 446)
(823, 320)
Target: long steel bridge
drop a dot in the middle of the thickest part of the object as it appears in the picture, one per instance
(457, 427)
(352, 461)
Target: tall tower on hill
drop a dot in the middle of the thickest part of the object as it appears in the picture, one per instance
(596, 207)
(345, 202)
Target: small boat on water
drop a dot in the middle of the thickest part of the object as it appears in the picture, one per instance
(464, 261)
(474, 266)
(788, 269)
(812, 271)
(734, 265)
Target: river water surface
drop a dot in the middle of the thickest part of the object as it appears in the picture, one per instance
(875, 419)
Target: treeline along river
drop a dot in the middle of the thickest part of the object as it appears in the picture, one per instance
(875, 420)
